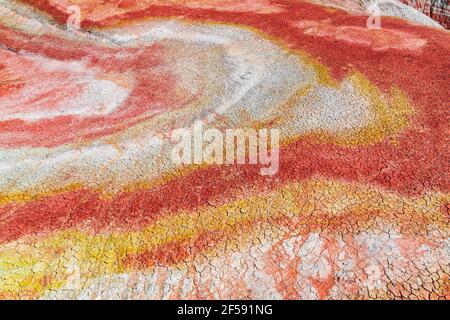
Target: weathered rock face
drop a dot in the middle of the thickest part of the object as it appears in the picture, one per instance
(92, 204)
(438, 10)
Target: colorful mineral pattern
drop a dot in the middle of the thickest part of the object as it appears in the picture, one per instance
(91, 206)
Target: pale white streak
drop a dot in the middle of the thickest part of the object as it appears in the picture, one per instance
(333, 110)
(96, 98)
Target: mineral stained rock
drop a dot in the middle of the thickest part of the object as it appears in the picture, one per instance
(91, 205)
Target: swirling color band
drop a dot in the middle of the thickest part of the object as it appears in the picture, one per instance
(89, 208)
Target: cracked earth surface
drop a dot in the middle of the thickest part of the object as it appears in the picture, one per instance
(90, 208)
